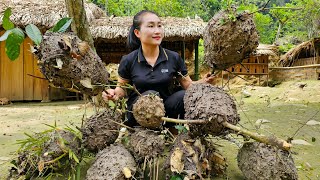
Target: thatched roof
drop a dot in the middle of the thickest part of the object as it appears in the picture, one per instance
(266, 49)
(306, 49)
(43, 13)
(117, 28)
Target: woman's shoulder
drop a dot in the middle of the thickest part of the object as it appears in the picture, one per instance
(131, 56)
(170, 52)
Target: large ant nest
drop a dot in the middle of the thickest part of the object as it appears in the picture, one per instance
(148, 111)
(229, 38)
(259, 161)
(70, 63)
(101, 129)
(206, 102)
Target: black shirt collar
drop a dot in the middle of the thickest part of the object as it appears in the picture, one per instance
(162, 56)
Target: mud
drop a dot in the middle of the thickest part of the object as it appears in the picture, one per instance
(148, 111)
(204, 101)
(146, 143)
(258, 161)
(100, 130)
(69, 63)
(228, 41)
(110, 162)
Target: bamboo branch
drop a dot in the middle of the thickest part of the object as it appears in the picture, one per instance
(184, 121)
(271, 140)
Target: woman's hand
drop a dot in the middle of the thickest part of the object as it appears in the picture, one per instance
(109, 94)
(208, 78)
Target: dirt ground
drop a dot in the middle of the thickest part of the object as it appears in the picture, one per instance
(283, 110)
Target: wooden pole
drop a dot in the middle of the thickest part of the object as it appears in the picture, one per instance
(196, 60)
(271, 140)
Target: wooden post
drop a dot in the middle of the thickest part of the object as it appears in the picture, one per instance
(183, 50)
(196, 60)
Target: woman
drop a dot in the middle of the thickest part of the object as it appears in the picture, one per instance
(151, 68)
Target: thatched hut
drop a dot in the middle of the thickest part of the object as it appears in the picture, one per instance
(18, 79)
(301, 62)
(306, 53)
(257, 64)
(21, 79)
(181, 35)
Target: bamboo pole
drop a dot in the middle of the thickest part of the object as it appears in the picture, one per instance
(271, 140)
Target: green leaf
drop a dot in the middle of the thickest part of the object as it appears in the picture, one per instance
(6, 22)
(34, 34)
(181, 129)
(13, 43)
(176, 177)
(111, 103)
(62, 25)
(5, 35)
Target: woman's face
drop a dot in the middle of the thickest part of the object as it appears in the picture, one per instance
(151, 30)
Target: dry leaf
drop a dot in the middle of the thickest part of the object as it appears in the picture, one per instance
(127, 172)
(176, 161)
(40, 166)
(86, 83)
(59, 63)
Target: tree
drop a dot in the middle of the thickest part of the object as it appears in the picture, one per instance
(80, 23)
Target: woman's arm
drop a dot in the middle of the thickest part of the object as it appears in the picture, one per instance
(185, 81)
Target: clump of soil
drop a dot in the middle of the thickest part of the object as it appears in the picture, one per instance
(229, 38)
(110, 162)
(259, 161)
(40, 155)
(207, 102)
(101, 129)
(195, 158)
(58, 144)
(148, 111)
(70, 63)
(146, 143)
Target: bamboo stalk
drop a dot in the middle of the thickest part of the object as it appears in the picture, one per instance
(184, 121)
(271, 140)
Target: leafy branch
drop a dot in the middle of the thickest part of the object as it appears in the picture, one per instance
(14, 36)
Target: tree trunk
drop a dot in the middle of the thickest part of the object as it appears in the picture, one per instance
(80, 23)
(278, 32)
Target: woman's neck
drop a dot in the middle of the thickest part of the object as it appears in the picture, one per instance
(151, 53)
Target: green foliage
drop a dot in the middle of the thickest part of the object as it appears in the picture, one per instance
(34, 34)
(285, 48)
(6, 22)
(176, 177)
(62, 25)
(181, 129)
(13, 42)
(32, 149)
(14, 37)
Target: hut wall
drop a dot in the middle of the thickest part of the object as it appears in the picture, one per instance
(306, 61)
(16, 77)
(254, 65)
(311, 72)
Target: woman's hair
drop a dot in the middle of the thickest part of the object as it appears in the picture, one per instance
(133, 41)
